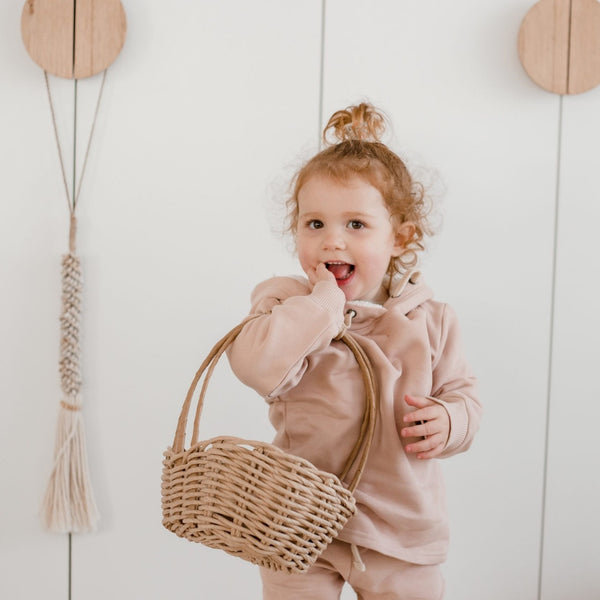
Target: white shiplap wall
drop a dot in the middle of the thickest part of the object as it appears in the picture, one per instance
(206, 113)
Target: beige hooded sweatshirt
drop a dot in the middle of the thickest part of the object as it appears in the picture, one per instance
(315, 393)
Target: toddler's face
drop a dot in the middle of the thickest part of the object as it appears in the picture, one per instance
(347, 228)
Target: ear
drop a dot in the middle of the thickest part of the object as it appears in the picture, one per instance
(403, 236)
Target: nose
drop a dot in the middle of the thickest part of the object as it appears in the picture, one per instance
(333, 239)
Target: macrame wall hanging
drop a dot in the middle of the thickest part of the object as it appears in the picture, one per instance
(73, 39)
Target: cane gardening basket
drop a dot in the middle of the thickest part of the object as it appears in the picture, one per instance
(252, 499)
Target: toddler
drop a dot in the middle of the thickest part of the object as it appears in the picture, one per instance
(359, 221)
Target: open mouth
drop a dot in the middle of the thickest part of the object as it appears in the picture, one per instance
(341, 270)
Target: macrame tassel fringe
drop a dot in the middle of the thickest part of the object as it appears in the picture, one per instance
(69, 505)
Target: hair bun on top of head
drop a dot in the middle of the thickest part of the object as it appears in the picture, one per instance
(362, 122)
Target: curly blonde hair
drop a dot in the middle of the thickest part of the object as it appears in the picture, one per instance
(353, 148)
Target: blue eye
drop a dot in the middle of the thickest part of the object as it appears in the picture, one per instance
(315, 224)
(356, 225)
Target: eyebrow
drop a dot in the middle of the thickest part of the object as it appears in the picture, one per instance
(346, 215)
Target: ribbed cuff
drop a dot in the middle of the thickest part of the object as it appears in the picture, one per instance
(329, 296)
(459, 421)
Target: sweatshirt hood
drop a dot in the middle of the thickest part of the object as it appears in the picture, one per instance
(407, 292)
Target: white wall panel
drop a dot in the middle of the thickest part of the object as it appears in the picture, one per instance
(204, 108)
(573, 492)
(471, 124)
(32, 213)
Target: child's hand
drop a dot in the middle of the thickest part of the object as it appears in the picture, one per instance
(431, 422)
(320, 273)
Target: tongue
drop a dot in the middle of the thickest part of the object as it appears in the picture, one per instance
(340, 271)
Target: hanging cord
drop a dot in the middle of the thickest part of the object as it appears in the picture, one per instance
(72, 203)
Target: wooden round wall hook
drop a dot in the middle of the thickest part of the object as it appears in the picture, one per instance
(559, 45)
(73, 38)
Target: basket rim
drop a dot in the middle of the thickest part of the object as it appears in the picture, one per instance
(250, 446)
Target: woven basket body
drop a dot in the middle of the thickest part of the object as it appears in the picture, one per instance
(252, 499)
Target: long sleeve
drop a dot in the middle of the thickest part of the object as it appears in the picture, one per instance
(454, 386)
(270, 354)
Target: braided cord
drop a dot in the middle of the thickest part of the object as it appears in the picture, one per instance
(70, 319)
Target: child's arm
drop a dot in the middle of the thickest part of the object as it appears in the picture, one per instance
(448, 419)
(270, 354)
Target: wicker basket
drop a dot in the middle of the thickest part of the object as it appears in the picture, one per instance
(252, 499)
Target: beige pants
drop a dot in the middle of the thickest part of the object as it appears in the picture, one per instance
(384, 578)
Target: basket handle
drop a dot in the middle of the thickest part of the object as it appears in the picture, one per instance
(359, 452)
(367, 430)
(209, 363)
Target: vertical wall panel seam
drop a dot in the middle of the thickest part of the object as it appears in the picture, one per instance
(70, 536)
(70, 565)
(550, 347)
(321, 70)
